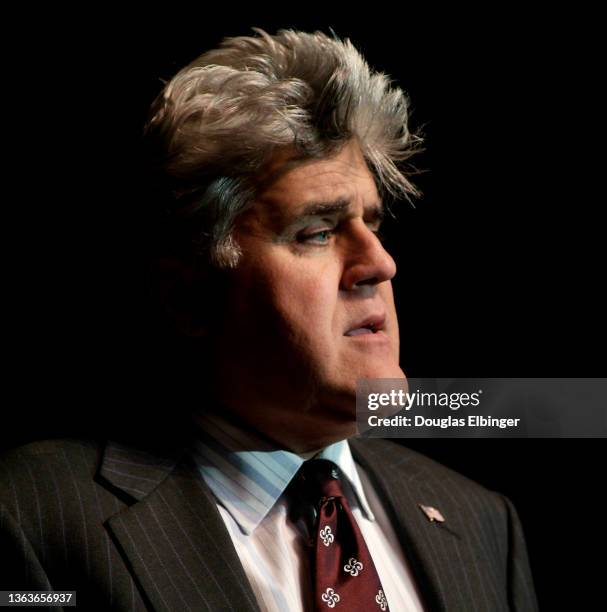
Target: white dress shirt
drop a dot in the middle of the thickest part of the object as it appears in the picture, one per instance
(248, 477)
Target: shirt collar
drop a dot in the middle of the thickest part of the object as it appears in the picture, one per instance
(248, 474)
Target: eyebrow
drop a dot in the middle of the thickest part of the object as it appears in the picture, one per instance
(316, 209)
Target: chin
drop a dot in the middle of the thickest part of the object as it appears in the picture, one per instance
(346, 391)
(381, 370)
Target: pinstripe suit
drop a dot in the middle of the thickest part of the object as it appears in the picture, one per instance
(133, 530)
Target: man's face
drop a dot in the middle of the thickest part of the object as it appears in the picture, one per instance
(310, 307)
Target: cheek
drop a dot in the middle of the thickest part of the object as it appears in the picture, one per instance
(299, 299)
(305, 300)
(298, 306)
(391, 309)
(391, 317)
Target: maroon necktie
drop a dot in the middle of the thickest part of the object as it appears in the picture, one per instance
(345, 577)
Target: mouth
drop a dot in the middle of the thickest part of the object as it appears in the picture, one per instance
(370, 325)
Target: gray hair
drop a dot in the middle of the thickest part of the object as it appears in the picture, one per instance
(218, 121)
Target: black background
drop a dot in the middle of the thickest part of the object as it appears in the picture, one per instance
(500, 263)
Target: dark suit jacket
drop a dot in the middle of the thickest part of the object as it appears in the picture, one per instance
(133, 530)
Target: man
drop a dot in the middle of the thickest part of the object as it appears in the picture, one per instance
(277, 155)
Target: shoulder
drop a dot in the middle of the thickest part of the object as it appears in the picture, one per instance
(408, 479)
(480, 527)
(38, 458)
(45, 477)
(46, 448)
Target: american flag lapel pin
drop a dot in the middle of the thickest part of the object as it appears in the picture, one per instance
(432, 513)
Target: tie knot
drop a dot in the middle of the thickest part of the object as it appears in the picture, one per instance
(321, 478)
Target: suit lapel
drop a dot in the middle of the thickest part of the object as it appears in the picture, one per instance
(438, 552)
(173, 537)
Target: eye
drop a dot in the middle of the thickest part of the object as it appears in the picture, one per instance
(320, 237)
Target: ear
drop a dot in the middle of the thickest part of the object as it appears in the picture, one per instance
(184, 291)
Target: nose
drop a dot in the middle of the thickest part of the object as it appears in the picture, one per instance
(367, 263)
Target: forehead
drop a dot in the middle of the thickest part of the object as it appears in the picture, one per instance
(344, 176)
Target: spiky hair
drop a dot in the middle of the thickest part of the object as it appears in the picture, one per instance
(220, 119)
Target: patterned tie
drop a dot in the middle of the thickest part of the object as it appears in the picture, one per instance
(345, 575)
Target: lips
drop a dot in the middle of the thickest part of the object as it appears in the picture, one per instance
(369, 325)
(359, 331)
